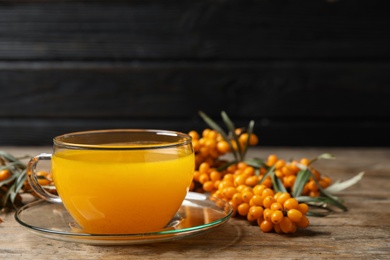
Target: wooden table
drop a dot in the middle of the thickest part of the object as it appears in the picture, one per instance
(363, 232)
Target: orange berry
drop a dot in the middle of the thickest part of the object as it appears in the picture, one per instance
(276, 206)
(286, 225)
(304, 223)
(252, 180)
(277, 216)
(203, 178)
(268, 200)
(295, 215)
(304, 161)
(4, 174)
(257, 200)
(290, 203)
(283, 197)
(258, 189)
(204, 167)
(208, 186)
(254, 213)
(243, 209)
(303, 208)
(223, 147)
(272, 159)
(247, 195)
(266, 226)
(194, 135)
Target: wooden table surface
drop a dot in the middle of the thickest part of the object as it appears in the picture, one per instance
(363, 232)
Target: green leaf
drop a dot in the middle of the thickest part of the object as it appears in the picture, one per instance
(326, 156)
(339, 186)
(300, 182)
(256, 163)
(231, 127)
(268, 173)
(277, 183)
(250, 131)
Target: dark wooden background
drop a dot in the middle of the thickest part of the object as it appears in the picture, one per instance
(309, 72)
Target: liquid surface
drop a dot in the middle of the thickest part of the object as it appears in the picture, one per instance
(122, 191)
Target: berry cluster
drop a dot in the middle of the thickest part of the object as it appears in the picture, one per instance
(287, 173)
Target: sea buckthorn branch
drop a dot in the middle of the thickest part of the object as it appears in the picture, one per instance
(12, 178)
(238, 180)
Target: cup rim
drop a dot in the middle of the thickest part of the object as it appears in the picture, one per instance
(182, 139)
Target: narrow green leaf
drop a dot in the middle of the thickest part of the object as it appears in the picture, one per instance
(231, 127)
(300, 181)
(19, 184)
(256, 163)
(327, 156)
(226, 165)
(268, 173)
(277, 183)
(339, 186)
(249, 131)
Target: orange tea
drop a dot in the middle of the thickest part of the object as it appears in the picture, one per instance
(122, 191)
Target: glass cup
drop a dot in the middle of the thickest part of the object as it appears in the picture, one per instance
(119, 181)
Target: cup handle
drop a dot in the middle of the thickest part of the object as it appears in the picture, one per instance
(33, 180)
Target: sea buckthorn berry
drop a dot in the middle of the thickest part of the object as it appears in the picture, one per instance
(277, 195)
(229, 192)
(272, 159)
(223, 147)
(268, 200)
(4, 174)
(283, 197)
(312, 185)
(314, 193)
(237, 198)
(267, 213)
(243, 209)
(257, 200)
(194, 135)
(286, 171)
(246, 196)
(277, 216)
(286, 225)
(254, 213)
(279, 164)
(251, 180)
(229, 177)
(239, 179)
(215, 175)
(249, 171)
(276, 206)
(258, 189)
(204, 167)
(278, 229)
(208, 186)
(204, 177)
(295, 215)
(268, 192)
(303, 208)
(290, 203)
(304, 161)
(289, 181)
(304, 223)
(268, 182)
(266, 226)
(206, 132)
(225, 184)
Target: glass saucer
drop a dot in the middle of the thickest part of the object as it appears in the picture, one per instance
(198, 214)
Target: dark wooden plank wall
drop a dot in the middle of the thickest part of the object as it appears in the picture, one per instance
(309, 72)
